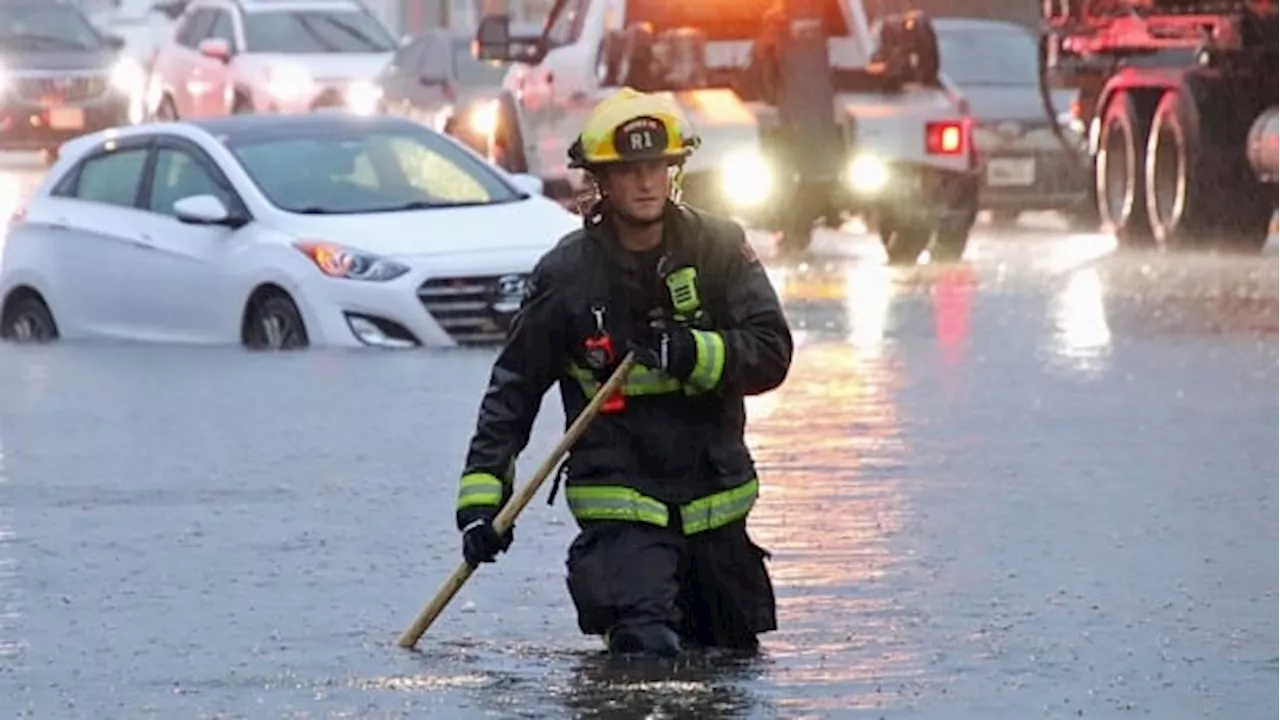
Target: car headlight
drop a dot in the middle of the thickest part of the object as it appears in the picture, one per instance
(338, 261)
(866, 174)
(746, 178)
(128, 77)
(290, 82)
(482, 119)
(363, 97)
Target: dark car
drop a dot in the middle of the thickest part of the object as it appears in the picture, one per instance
(1025, 166)
(436, 80)
(60, 77)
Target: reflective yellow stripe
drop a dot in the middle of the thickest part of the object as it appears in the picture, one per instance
(709, 365)
(720, 509)
(641, 381)
(479, 489)
(615, 503)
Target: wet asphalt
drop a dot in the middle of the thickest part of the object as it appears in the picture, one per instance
(1041, 483)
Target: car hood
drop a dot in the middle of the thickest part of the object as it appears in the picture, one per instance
(331, 66)
(534, 224)
(1012, 102)
(62, 60)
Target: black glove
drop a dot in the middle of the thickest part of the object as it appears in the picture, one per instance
(480, 542)
(668, 347)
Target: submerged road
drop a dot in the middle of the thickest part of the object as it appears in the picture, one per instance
(1038, 484)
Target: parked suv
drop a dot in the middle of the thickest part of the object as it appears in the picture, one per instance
(60, 77)
(270, 56)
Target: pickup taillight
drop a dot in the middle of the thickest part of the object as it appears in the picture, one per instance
(945, 137)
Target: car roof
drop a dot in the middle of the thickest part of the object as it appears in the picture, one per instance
(232, 126)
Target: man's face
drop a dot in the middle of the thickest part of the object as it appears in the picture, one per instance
(638, 189)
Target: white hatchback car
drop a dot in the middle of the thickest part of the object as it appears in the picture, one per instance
(275, 232)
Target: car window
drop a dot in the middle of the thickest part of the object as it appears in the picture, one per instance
(315, 32)
(179, 175)
(112, 178)
(988, 57)
(563, 28)
(195, 28)
(431, 58)
(223, 29)
(46, 28)
(355, 171)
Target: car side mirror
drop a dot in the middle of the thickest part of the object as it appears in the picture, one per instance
(494, 41)
(202, 210)
(526, 183)
(115, 42)
(215, 48)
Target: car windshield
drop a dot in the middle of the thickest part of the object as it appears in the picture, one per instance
(988, 57)
(315, 32)
(352, 170)
(46, 28)
(473, 72)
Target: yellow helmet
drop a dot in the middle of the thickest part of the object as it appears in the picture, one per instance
(629, 126)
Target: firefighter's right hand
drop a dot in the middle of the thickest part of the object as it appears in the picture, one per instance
(481, 543)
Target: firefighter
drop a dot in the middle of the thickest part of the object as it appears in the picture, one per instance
(661, 483)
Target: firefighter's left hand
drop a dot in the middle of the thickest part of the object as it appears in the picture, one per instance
(670, 348)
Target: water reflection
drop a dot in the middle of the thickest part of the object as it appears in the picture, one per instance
(705, 687)
(829, 448)
(11, 645)
(1081, 339)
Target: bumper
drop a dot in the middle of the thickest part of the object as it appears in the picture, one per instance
(912, 193)
(31, 127)
(1033, 181)
(362, 98)
(415, 310)
(922, 195)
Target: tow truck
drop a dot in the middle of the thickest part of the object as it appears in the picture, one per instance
(853, 127)
(1179, 97)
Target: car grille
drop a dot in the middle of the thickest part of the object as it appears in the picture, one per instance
(473, 309)
(55, 89)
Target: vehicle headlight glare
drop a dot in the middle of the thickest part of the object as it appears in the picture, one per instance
(363, 97)
(867, 174)
(483, 119)
(746, 179)
(290, 82)
(338, 261)
(128, 77)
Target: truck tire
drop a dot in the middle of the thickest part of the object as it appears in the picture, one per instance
(1188, 188)
(904, 243)
(949, 245)
(1118, 171)
(508, 141)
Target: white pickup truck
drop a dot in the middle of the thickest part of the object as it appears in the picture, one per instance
(903, 145)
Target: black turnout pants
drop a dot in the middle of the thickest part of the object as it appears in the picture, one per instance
(711, 587)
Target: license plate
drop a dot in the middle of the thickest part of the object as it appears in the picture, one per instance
(1003, 172)
(67, 118)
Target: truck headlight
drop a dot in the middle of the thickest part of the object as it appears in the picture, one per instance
(290, 82)
(363, 97)
(866, 174)
(482, 119)
(128, 77)
(746, 179)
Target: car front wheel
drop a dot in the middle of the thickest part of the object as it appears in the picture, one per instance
(26, 319)
(274, 323)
